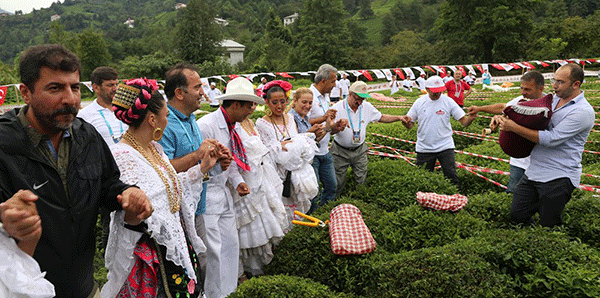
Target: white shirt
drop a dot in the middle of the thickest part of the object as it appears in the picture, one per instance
(394, 87)
(104, 120)
(421, 83)
(345, 85)
(212, 95)
(218, 195)
(446, 79)
(335, 91)
(434, 133)
(365, 114)
(320, 105)
(522, 163)
(407, 85)
(470, 79)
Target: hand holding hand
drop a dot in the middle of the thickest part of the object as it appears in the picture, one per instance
(136, 205)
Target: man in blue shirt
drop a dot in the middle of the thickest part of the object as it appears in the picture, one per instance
(555, 168)
(182, 138)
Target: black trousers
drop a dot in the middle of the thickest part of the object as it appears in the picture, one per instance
(548, 198)
(447, 161)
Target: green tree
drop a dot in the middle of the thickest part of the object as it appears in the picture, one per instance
(92, 51)
(365, 11)
(152, 65)
(484, 31)
(198, 37)
(406, 48)
(323, 37)
(271, 51)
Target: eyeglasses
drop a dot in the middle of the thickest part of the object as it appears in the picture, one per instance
(559, 82)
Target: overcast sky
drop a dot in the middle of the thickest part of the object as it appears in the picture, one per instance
(25, 5)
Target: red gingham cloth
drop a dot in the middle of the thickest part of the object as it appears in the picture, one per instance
(441, 202)
(349, 233)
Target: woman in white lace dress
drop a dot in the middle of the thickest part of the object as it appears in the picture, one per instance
(277, 129)
(158, 256)
(261, 216)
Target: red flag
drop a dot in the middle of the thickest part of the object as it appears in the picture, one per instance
(544, 64)
(285, 75)
(3, 90)
(443, 72)
(366, 74)
(479, 67)
(592, 60)
(514, 65)
(462, 69)
(430, 68)
(529, 65)
(233, 76)
(498, 67)
(399, 73)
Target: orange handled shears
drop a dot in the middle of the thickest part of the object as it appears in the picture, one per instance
(314, 222)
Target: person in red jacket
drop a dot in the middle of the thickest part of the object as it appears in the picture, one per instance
(457, 87)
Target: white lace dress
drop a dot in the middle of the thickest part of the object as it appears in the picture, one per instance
(272, 137)
(20, 274)
(261, 216)
(165, 227)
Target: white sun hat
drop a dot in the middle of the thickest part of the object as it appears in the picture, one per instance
(240, 89)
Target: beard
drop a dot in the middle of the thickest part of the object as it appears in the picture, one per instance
(51, 120)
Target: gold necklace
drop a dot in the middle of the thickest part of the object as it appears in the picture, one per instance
(174, 196)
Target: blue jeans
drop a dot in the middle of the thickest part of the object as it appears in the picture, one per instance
(323, 165)
(515, 175)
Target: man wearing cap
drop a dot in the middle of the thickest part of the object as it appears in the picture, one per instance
(470, 78)
(349, 148)
(182, 138)
(555, 161)
(260, 87)
(532, 87)
(421, 82)
(434, 134)
(221, 228)
(456, 88)
(213, 94)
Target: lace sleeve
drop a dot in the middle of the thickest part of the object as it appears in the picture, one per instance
(269, 136)
(291, 126)
(127, 165)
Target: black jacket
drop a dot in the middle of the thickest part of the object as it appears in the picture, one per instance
(68, 243)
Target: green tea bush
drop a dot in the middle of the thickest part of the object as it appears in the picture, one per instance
(282, 286)
(582, 219)
(493, 207)
(393, 184)
(415, 227)
(471, 184)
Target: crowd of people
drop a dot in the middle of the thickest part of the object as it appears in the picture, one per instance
(193, 206)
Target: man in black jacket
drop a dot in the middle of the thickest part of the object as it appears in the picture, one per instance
(60, 166)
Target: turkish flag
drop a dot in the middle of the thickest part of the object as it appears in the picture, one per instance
(479, 67)
(366, 74)
(514, 65)
(399, 73)
(462, 69)
(592, 60)
(498, 67)
(232, 76)
(443, 72)
(430, 68)
(3, 91)
(285, 75)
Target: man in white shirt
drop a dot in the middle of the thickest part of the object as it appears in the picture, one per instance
(407, 84)
(470, 79)
(448, 77)
(221, 230)
(99, 113)
(321, 112)
(212, 95)
(434, 133)
(349, 148)
(421, 82)
(260, 87)
(532, 87)
(344, 84)
(336, 91)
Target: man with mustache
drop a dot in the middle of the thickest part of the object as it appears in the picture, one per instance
(59, 171)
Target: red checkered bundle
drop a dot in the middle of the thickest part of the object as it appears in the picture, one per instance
(349, 233)
(441, 202)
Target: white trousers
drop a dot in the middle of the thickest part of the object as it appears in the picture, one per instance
(222, 254)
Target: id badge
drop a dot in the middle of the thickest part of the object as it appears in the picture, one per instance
(356, 137)
(457, 94)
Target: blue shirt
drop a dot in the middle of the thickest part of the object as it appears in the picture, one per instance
(302, 122)
(181, 137)
(558, 155)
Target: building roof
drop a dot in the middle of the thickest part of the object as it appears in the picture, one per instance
(232, 45)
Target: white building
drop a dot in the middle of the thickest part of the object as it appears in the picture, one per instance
(222, 22)
(130, 23)
(179, 6)
(290, 19)
(54, 18)
(233, 51)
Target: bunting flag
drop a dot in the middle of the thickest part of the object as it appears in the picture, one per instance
(453, 68)
(88, 85)
(341, 72)
(485, 66)
(592, 60)
(498, 66)
(399, 73)
(366, 74)
(462, 69)
(542, 63)
(419, 69)
(409, 72)
(378, 73)
(3, 91)
(514, 65)
(388, 74)
(205, 85)
(520, 64)
(479, 68)
(221, 78)
(355, 73)
(251, 76)
(529, 65)
(285, 75)
(232, 76)
(430, 68)
(443, 72)
(561, 62)
(470, 68)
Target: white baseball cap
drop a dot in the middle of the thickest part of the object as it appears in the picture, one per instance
(435, 84)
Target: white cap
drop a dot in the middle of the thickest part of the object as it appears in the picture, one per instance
(240, 89)
(435, 84)
(213, 84)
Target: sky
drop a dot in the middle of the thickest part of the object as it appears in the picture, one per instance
(25, 5)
